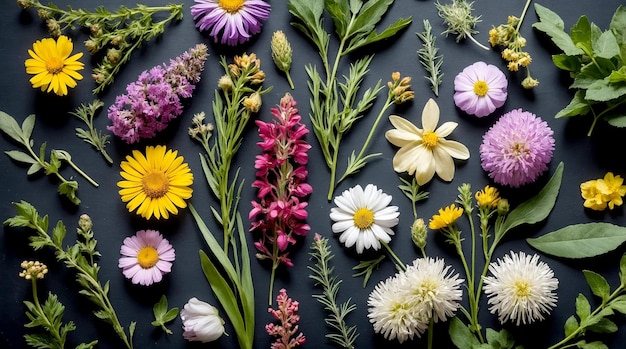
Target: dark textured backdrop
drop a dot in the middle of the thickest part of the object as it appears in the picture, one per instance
(584, 157)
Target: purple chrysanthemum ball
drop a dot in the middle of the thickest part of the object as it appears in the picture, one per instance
(517, 148)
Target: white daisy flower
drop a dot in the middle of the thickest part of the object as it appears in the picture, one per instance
(434, 285)
(364, 218)
(392, 313)
(521, 289)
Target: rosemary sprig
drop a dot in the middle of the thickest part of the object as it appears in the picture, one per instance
(428, 57)
(79, 257)
(322, 274)
(119, 32)
(37, 162)
(92, 136)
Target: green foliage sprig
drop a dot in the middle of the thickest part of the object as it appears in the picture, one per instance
(458, 18)
(163, 315)
(596, 321)
(581, 240)
(323, 275)
(37, 162)
(335, 105)
(79, 257)
(86, 112)
(119, 32)
(596, 61)
(428, 57)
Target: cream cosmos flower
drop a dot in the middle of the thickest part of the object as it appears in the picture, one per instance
(425, 151)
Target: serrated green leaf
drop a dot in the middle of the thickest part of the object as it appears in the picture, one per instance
(69, 189)
(9, 126)
(580, 33)
(603, 91)
(571, 324)
(618, 27)
(606, 46)
(340, 13)
(580, 240)
(20, 156)
(577, 106)
(598, 284)
(583, 308)
(552, 24)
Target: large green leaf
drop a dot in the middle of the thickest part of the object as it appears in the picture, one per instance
(461, 335)
(534, 209)
(603, 90)
(552, 24)
(339, 11)
(580, 240)
(606, 46)
(618, 27)
(9, 126)
(577, 106)
(581, 34)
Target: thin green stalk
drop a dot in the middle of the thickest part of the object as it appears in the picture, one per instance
(431, 325)
(395, 258)
(521, 18)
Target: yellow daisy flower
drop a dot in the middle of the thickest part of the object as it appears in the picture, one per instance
(52, 65)
(446, 217)
(488, 197)
(155, 184)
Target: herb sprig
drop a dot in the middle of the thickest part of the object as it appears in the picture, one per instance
(596, 60)
(428, 57)
(79, 257)
(86, 112)
(119, 32)
(22, 135)
(458, 18)
(163, 315)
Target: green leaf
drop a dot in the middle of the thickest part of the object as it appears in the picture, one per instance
(619, 304)
(369, 15)
(603, 90)
(552, 24)
(577, 106)
(9, 126)
(606, 46)
(534, 209)
(567, 63)
(581, 34)
(618, 27)
(580, 240)
(591, 72)
(69, 190)
(373, 36)
(34, 168)
(622, 270)
(618, 75)
(603, 326)
(20, 156)
(339, 11)
(27, 126)
(461, 335)
(598, 284)
(583, 308)
(570, 325)
(594, 345)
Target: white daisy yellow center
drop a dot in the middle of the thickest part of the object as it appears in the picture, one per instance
(430, 139)
(522, 289)
(147, 257)
(363, 218)
(155, 184)
(231, 6)
(481, 88)
(54, 65)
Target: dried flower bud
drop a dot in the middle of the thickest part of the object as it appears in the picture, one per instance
(25, 4)
(43, 13)
(281, 51)
(529, 83)
(225, 83)
(257, 78)
(419, 233)
(114, 55)
(117, 40)
(85, 223)
(53, 27)
(92, 46)
(95, 29)
(253, 102)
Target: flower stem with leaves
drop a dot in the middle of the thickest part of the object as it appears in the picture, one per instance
(428, 57)
(79, 257)
(334, 105)
(86, 112)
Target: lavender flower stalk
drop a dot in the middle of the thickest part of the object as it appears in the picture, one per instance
(155, 98)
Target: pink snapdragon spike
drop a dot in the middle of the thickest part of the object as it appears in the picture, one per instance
(480, 89)
(287, 315)
(155, 99)
(517, 148)
(231, 22)
(280, 214)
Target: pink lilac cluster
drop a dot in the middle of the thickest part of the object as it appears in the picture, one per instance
(287, 314)
(155, 98)
(280, 211)
(517, 148)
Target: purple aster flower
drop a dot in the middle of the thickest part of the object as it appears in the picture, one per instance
(146, 256)
(517, 148)
(479, 89)
(234, 21)
(155, 98)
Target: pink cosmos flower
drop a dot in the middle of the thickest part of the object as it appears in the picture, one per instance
(234, 21)
(480, 89)
(146, 257)
(517, 148)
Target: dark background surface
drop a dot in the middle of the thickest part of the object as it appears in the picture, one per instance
(585, 158)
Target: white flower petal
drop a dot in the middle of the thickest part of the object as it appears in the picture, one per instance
(430, 115)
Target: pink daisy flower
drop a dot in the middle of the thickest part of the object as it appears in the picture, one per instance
(234, 21)
(480, 89)
(517, 148)
(146, 257)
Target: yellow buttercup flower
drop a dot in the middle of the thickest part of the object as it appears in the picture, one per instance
(446, 217)
(591, 194)
(53, 67)
(600, 193)
(488, 197)
(155, 184)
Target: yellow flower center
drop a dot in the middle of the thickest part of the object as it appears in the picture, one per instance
(147, 257)
(522, 289)
(519, 149)
(155, 184)
(430, 139)
(54, 65)
(231, 6)
(481, 88)
(363, 218)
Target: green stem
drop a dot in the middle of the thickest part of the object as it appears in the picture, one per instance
(521, 18)
(431, 325)
(272, 276)
(289, 80)
(42, 315)
(396, 259)
(477, 43)
(77, 169)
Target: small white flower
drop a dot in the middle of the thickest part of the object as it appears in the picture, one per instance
(201, 321)
(363, 217)
(433, 284)
(391, 312)
(521, 289)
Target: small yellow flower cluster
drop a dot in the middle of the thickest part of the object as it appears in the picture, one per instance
(399, 88)
(508, 36)
(604, 192)
(248, 66)
(33, 270)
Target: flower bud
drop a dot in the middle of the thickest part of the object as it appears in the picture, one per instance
(253, 102)
(503, 207)
(225, 83)
(53, 27)
(281, 51)
(85, 223)
(114, 55)
(529, 83)
(201, 321)
(43, 13)
(419, 233)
